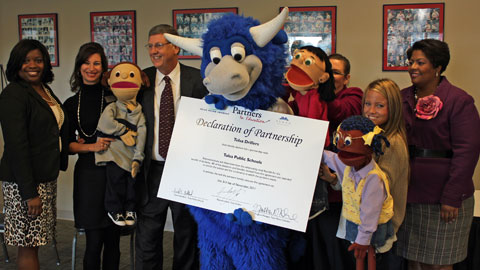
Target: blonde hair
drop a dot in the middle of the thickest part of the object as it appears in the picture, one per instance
(390, 90)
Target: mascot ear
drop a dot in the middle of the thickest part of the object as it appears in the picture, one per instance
(280, 38)
(145, 80)
(105, 77)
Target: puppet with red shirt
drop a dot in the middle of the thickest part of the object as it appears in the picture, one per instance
(311, 84)
(367, 203)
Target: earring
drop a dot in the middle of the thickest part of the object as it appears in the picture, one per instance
(436, 74)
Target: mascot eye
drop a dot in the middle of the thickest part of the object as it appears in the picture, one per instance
(298, 55)
(348, 140)
(215, 55)
(132, 74)
(238, 52)
(308, 62)
(117, 74)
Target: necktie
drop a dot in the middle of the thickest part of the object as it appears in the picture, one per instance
(166, 118)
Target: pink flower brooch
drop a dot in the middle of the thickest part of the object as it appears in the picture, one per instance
(428, 107)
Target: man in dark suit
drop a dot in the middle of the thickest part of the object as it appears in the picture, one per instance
(166, 73)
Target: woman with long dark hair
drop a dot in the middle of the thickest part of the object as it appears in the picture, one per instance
(84, 110)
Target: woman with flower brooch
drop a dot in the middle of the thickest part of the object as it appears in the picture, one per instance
(442, 126)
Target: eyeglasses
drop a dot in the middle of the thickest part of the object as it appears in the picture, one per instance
(337, 72)
(347, 140)
(157, 46)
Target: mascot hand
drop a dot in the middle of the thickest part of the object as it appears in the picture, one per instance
(129, 138)
(359, 251)
(240, 217)
(213, 99)
(135, 168)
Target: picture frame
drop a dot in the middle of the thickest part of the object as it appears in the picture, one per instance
(116, 32)
(316, 26)
(192, 23)
(405, 24)
(41, 27)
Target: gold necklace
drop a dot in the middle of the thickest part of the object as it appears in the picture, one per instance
(59, 108)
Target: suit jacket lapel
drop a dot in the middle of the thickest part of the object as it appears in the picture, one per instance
(37, 97)
(186, 88)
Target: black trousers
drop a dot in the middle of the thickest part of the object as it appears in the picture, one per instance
(106, 240)
(120, 190)
(151, 219)
(324, 250)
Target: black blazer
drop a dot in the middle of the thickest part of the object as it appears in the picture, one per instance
(30, 132)
(191, 85)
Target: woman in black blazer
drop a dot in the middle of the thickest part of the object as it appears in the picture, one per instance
(35, 134)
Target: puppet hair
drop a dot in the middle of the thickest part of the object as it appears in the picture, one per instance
(143, 75)
(365, 125)
(326, 90)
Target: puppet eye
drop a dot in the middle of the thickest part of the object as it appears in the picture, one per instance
(348, 140)
(215, 55)
(132, 74)
(117, 74)
(336, 139)
(238, 52)
(308, 62)
(297, 56)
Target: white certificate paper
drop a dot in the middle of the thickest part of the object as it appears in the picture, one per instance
(264, 162)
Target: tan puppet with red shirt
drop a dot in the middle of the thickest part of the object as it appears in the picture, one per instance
(124, 121)
(311, 83)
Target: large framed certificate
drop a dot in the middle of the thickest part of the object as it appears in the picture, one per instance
(264, 162)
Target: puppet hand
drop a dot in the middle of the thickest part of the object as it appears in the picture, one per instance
(130, 106)
(135, 168)
(129, 138)
(325, 174)
(359, 251)
(240, 217)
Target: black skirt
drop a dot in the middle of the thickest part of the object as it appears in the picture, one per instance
(89, 194)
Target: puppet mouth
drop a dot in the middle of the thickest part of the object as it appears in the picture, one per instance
(353, 159)
(349, 155)
(124, 85)
(296, 76)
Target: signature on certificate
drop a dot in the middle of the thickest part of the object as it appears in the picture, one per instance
(230, 192)
(283, 213)
(181, 191)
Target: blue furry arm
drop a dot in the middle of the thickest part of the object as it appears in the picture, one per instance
(217, 100)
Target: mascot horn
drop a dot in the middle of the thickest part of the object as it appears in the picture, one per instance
(242, 61)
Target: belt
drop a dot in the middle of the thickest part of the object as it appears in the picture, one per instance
(429, 153)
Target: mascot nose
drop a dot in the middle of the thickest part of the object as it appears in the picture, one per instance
(206, 81)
